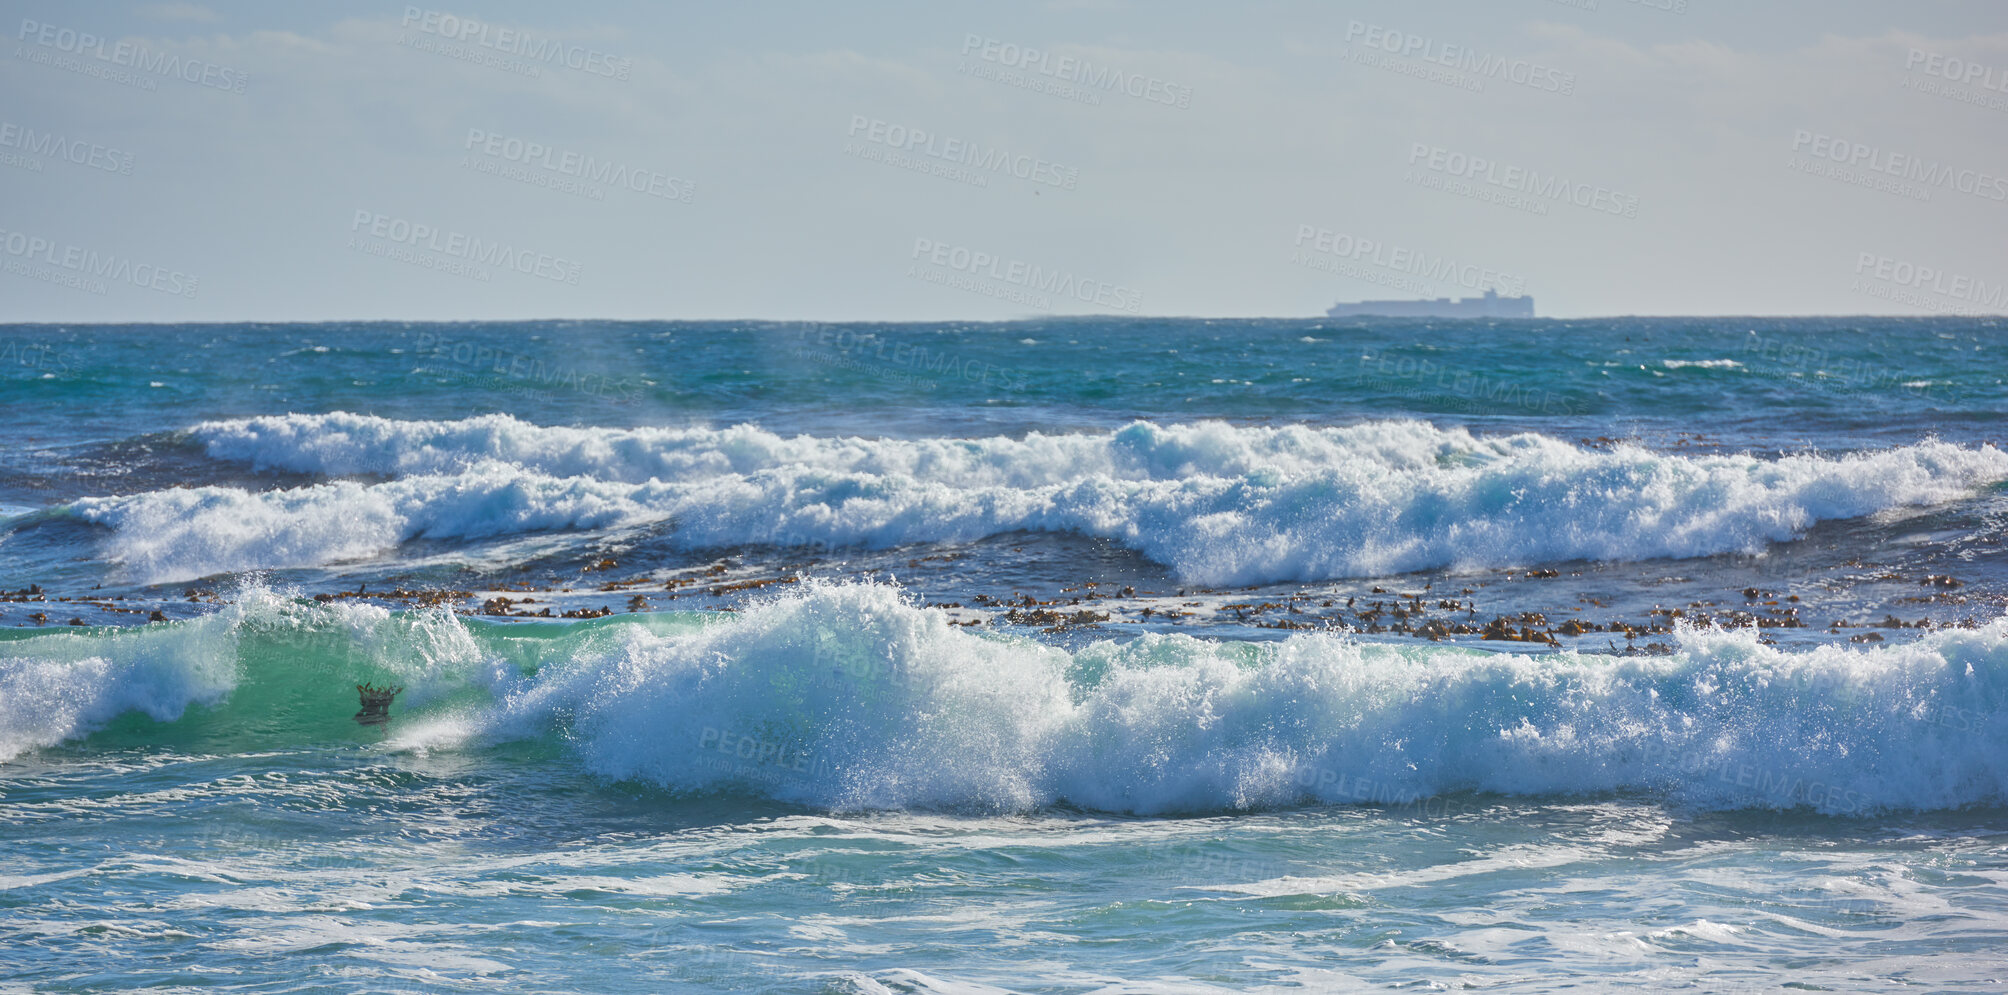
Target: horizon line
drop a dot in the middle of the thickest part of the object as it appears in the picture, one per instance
(987, 321)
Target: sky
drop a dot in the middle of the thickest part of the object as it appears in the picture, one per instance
(191, 161)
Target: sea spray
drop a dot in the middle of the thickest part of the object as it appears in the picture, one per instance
(851, 697)
(1218, 504)
(261, 665)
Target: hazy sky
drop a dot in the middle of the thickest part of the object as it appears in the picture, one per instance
(218, 161)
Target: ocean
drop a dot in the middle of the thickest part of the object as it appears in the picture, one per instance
(1068, 655)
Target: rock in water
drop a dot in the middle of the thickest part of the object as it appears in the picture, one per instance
(376, 703)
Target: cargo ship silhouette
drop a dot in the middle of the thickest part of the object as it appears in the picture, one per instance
(1489, 306)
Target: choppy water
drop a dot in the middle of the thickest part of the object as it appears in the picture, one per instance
(1072, 655)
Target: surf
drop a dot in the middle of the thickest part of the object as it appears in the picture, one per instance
(850, 697)
(1217, 504)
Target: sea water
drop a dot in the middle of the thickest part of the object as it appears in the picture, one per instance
(876, 704)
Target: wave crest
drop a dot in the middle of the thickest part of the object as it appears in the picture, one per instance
(849, 697)
(1218, 504)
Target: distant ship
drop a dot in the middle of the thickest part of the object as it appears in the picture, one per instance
(1489, 306)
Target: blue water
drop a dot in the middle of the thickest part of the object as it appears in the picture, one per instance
(1072, 655)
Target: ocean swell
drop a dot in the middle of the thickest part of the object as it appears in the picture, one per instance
(1218, 504)
(850, 697)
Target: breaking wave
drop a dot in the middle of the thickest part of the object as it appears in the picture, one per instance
(850, 697)
(1219, 504)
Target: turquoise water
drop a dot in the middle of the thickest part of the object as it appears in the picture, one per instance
(812, 748)
(1772, 381)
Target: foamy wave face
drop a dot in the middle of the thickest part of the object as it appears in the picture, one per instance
(1219, 504)
(849, 697)
(62, 685)
(845, 696)
(196, 532)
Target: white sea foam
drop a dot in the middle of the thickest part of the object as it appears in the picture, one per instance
(60, 685)
(63, 684)
(1219, 504)
(849, 697)
(845, 696)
